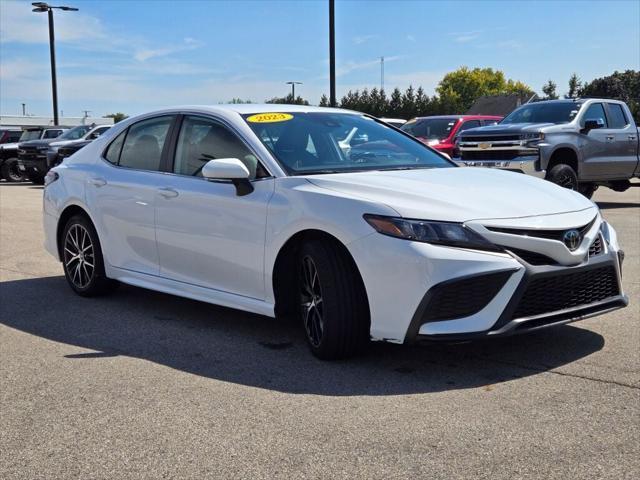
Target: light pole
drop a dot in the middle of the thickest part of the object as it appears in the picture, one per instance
(332, 54)
(41, 7)
(293, 89)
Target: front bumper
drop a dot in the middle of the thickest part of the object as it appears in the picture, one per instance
(526, 165)
(401, 276)
(546, 296)
(33, 164)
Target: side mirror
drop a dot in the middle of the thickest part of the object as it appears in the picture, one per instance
(593, 124)
(229, 169)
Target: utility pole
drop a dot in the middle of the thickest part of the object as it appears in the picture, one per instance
(381, 74)
(24, 109)
(332, 54)
(293, 89)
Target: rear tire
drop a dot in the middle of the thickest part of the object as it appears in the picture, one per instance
(82, 259)
(333, 303)
(10, 172)
(563, 175)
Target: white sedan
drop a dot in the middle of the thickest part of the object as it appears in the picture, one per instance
(262, 210)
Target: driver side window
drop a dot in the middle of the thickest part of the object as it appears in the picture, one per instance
(595, 112)
(202, 139)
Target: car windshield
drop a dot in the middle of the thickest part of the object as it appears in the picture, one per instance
(431, 128)
(561, 112)
(30, 135)
(319, 142)
(75, 133)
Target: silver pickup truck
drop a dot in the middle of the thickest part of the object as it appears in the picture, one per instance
(578, 143)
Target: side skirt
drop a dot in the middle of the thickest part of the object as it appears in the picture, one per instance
(194, 292)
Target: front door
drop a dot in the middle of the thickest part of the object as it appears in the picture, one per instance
(596, 146)
(207, 234)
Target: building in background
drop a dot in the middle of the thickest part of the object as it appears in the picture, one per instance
(29, 121)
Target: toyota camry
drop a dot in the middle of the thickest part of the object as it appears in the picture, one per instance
(354, 227)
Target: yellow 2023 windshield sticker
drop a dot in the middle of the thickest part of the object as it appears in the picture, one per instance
(269, 117)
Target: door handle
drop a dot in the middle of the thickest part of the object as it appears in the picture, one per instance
(610, 138)
(97, 182)
(168, 192)
(632, 137)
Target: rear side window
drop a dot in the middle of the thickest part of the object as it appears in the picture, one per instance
(144, 142)
(113, 151)
(52, 133)
(595, 112)
(469, 124)
(617, 118)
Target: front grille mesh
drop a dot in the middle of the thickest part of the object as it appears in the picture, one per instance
(550, 294)
(533, 258)
(461, 298)
(596, 247)
(490, 138)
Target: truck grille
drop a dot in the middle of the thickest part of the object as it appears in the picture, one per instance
(490, 138)
(550, 294)
(489, 154)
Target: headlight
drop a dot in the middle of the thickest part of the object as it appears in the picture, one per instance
(534, 136)
(53, 149)
(438, 233)
(50, 177)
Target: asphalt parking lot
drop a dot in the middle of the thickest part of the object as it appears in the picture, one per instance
(145, 385)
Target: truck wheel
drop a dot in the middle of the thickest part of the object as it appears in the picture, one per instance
(563, 175)
(587, 189)
(333, 304)
(10, 171)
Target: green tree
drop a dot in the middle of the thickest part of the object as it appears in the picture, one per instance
(623, 86)
(459, 89)
(239, 101)
(395, 103)
(117, 117)
(574, 85)
(324, 101)
(549, 89)
(288, 100)
(408, 109)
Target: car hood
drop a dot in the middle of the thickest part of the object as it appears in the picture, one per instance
(510, 128)
(62, 143)
(456, 194)
(9, 146)
(37, 143)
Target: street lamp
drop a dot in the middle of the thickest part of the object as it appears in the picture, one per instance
(41, 7)
(293, 89)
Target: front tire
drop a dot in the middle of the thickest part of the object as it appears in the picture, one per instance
(82, 259)
(333, 304)
(10, 171)
(563, 175)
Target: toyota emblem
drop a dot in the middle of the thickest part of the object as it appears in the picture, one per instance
(571, 239)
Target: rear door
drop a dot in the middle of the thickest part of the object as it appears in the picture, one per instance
(625, 141)
(596, 146)
(122, 190)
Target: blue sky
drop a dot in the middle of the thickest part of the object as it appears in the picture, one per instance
(133, 56)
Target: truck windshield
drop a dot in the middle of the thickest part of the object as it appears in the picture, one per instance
(551, 112)
(431, 128)
(308, 143)
(30, 135)
(75, 133)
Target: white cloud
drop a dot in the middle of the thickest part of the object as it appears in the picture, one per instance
(144, 54)
(359, 40)
(350, 66)
(464, 37)
(411, 38)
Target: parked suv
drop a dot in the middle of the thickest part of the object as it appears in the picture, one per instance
(579, 144)
(32, 155)
(441, 132)
(9, 166)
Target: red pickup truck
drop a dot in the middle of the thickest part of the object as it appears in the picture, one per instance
(440, 132)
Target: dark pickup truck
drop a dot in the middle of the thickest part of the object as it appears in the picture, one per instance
(577, 143)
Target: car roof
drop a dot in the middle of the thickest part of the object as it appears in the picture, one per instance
(246, 108)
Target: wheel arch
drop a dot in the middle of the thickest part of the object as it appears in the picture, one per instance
(283, 277)
(68, 212)
(567, 155)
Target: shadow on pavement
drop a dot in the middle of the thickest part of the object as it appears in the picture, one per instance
(610, 205)
(257, 351)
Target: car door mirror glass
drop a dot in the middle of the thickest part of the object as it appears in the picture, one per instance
(593, 124)
(229, 169)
